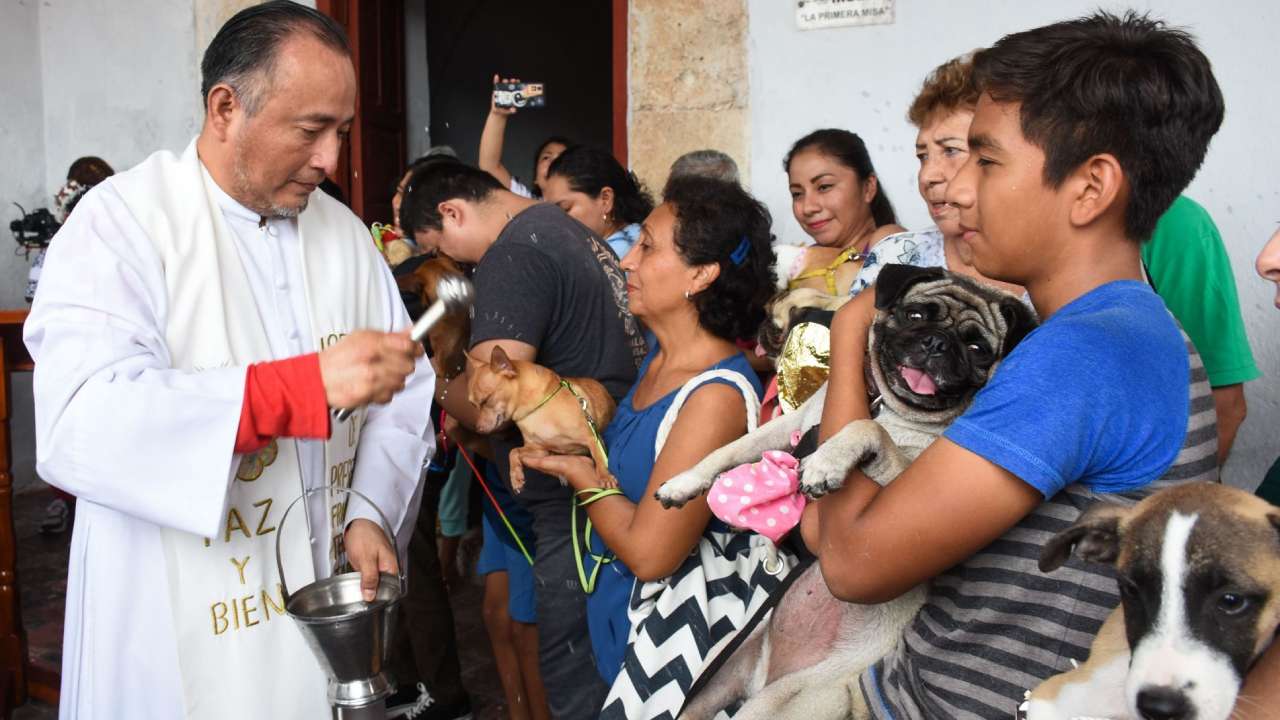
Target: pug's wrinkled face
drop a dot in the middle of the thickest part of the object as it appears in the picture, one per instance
(937, 338)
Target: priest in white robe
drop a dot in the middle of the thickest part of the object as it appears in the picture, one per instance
(196, 318)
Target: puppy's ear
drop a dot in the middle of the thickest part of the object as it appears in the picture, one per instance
(501, 363)
(1019, 320)
(895, 280)
(1094, 537)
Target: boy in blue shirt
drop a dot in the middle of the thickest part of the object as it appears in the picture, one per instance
(1084, 133)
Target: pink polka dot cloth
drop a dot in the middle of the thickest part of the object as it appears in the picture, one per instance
(762, 496)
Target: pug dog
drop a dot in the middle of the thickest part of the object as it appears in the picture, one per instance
(936, 340)
(788, 308)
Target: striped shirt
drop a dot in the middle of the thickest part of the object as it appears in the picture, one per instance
(994, 626)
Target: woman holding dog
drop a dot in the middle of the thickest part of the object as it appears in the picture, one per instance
(590, 185)
(698, 277)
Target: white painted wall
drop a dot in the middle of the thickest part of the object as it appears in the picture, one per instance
(121, 80)
(21, 180)
(863, 79)
(21, 138)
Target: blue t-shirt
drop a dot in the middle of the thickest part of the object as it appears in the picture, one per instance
(630, 438)
(622, 240)
(1088, 396)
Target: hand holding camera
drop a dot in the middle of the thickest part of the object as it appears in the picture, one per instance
(510, 94)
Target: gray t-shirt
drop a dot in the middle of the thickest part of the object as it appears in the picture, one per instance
(549, 282)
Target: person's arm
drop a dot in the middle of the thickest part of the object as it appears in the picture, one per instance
(491, 140)
(1231, 408)
(650, 539)
(1259, 697)
(846, 385)
(876, 543)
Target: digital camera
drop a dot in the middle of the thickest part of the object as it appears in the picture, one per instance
(35, 229)
(519, 95)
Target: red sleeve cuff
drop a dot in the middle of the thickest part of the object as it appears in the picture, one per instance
(282, 398)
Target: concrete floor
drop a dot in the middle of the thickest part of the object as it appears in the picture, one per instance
(42, 573)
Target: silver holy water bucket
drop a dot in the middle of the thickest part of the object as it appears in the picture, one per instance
(351, 638)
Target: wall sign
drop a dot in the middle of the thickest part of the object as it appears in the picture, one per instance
(818, 14)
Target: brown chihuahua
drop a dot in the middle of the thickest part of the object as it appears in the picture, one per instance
(555, 416)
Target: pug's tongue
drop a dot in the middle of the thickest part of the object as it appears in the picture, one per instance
(918, 380)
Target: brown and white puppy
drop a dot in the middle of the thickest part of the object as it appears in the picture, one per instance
(448, 338)
(552, 418)
(1199, 572)
(785, 310)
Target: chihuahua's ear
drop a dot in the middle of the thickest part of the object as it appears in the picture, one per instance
(1094, 537)
(501, 363)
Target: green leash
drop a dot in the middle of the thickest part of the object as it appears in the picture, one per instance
(595, 494)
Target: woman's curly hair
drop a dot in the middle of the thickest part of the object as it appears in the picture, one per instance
(719, 222)
(949, 87)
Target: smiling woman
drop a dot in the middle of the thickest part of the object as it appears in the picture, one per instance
(837, 199)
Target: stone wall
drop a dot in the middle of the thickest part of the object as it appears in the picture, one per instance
(688, 83)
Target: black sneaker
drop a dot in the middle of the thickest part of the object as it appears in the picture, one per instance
(417, 704)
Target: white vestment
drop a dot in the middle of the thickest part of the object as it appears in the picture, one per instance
(147, 448)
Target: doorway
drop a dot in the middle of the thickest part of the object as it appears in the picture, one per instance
(576, 48)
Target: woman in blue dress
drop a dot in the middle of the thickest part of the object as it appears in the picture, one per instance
(698, 277)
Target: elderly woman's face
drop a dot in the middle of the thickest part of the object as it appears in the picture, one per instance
(657, 275)
(1269, 263)
(942, 146)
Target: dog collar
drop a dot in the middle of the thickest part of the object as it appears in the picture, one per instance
(544, 401)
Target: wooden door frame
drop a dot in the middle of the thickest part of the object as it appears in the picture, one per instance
(347, 175)
(620, 72)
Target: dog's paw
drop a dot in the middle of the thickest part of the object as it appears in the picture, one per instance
(682, 488)
(823, 472)
(517, 479)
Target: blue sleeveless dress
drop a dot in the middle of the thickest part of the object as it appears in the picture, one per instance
(630, 438)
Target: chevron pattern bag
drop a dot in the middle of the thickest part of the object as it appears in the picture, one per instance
(681, 625)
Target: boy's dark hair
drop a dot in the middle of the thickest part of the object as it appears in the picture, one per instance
(590, 170)
(850, 151)
(435, 180)
(243, 52)
(719, 222)
(1129, 86)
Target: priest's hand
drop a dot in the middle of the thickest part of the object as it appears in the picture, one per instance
(370, 553)
(367, 367)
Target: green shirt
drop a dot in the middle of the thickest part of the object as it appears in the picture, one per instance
(1189, 268)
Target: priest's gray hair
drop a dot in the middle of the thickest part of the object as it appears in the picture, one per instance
(243, 53)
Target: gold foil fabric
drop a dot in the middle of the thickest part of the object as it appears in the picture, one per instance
(804, 364)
